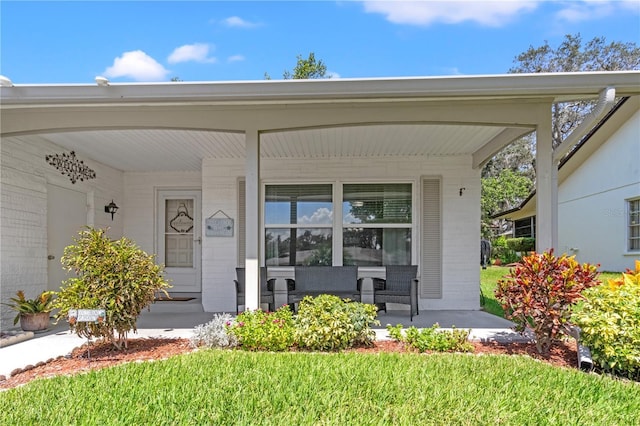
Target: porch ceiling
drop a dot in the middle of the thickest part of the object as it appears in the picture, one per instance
(146, 150)
(165, 126)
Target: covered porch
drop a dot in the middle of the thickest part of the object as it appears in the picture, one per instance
(222, 147)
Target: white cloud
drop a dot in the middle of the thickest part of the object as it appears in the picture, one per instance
(236, 58)
(236, 21)
(632, 5)
(197, 52)
(448, 71)
(424, 13)
(137, 65)
(583, 11)
(322, 215)
(586, 10)
(332, 74)
(350, 218)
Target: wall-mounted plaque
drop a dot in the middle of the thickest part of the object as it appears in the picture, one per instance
(218, 226)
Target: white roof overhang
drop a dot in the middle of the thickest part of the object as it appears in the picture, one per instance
(173, 126)
(588, 145)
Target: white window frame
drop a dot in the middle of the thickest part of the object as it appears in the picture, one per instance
(629, 225)
(412, 225)
(337, 226)
(264, 225)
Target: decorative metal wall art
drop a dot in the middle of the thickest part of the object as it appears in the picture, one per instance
(69, 165)
(182, 222)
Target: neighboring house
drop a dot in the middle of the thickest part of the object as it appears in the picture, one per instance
(598, 194)
(211, 176)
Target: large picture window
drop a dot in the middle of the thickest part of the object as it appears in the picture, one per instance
(376, 224)
(634, 225)
(298, 225)
(375, 230)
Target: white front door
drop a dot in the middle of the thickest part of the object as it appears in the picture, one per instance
(66, 216)
(179, 238)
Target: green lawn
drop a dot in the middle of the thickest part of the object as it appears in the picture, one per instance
(490, 276)
(488, 280)
(241, 388)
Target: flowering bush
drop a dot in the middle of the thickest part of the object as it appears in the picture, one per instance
(432, 339)
(260, 330)
(609, 320)
(329, 323)
(540, 291)
(214, 333)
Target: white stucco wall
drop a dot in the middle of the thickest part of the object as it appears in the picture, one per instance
(23, 213)
(24, 217)
(592, 208)
(461, 216)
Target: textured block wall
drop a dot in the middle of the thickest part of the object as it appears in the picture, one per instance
(23, 213)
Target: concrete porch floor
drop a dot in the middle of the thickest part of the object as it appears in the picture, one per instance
(445, 319)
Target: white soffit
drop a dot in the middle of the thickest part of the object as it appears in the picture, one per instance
(149, 150)
(378, 141)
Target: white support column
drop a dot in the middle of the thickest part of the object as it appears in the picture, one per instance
(252, 226)
(546, 186)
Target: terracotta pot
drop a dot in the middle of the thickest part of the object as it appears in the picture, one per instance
(34, 322)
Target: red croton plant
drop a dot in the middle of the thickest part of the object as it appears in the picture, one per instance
(539, 292)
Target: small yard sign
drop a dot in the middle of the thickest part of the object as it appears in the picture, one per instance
(86, 315)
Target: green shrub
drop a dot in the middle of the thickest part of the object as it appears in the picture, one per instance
(501, 250)
(610, 322)
(214, 334)
(116, 276)
(329, 323)
(540, 291)
(266, 331)
(432, 339)
(522, 244)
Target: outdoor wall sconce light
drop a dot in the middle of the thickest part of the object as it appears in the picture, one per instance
(462, 190)
(111, 208)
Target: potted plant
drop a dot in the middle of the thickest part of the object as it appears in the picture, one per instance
(33, 314)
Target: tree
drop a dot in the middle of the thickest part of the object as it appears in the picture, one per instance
(305, 69)
(500, 193)
(572, 55)
(517, 157)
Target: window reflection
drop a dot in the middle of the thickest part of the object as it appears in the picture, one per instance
(377, 224)
(298, 246)
(386, 206)
(376, 246)
(298, 204)
(377, 203)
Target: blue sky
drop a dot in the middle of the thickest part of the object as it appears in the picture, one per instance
(72, 42)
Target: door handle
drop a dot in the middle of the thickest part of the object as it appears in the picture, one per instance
(199, 240)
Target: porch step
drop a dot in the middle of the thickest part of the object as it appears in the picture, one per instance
(175, 306)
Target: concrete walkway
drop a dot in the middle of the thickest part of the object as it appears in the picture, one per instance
(58, 341)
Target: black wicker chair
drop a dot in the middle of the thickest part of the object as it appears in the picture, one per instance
(399, 286)
(266, 288)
